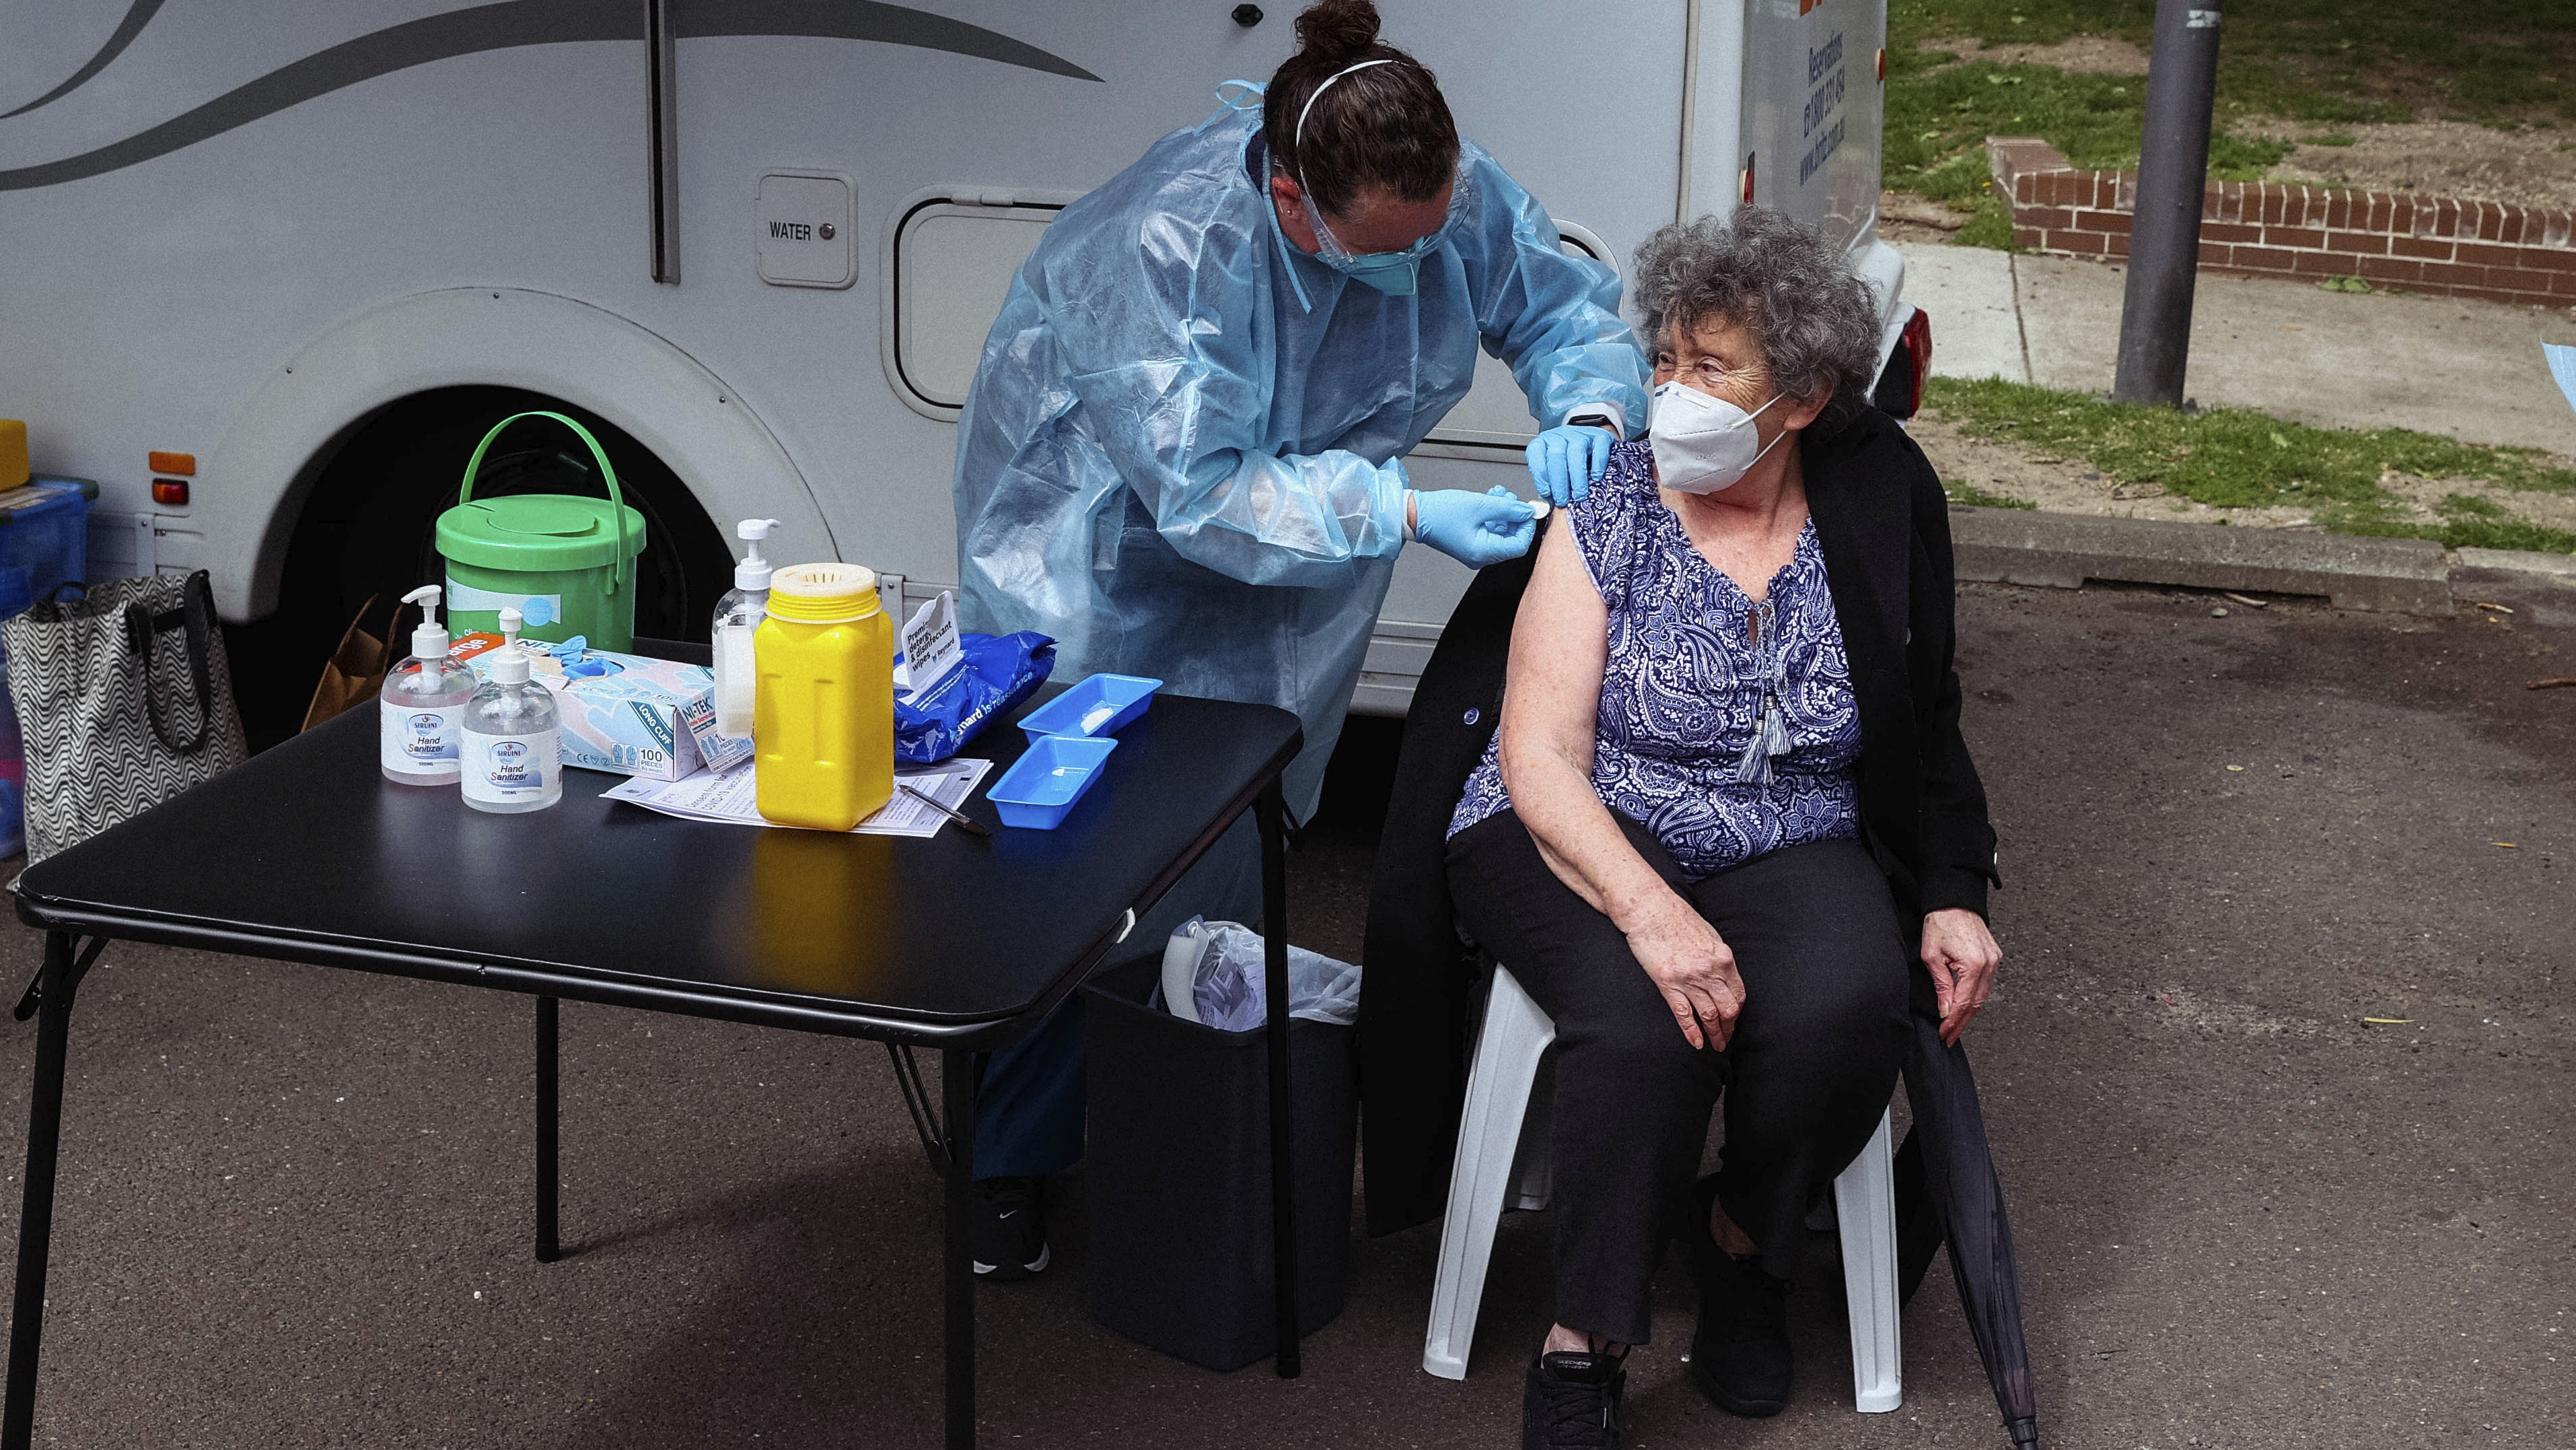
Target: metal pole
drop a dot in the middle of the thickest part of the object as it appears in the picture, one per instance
(2164, 234)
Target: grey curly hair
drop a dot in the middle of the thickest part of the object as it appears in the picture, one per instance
(1771, 274)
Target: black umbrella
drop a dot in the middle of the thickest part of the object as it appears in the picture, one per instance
(1947, 1190)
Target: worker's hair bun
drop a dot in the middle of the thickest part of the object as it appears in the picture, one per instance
(1383, 126)
(1337, 29)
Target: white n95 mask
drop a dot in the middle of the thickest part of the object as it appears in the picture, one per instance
(1703, 444)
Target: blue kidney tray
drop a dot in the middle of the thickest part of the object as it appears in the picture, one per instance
(1096, 706)
(1041, 786)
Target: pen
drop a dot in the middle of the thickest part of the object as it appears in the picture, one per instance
(968, 822)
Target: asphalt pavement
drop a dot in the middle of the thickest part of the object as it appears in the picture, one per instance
(295, 1203)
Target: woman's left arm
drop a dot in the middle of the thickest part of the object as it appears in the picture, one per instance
(1958, 840)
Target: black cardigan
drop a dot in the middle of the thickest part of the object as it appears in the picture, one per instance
(1884, 526)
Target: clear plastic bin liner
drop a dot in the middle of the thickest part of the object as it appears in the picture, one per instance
(1222, 963)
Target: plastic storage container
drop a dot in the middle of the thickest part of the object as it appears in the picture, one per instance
(44, 538)
(565, 562)
(1040, 788)
(823, 720)
(13, 452)
(44, 542)
(1177, 1174)
(1096, 706)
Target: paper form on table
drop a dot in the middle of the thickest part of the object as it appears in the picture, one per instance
(730, 797)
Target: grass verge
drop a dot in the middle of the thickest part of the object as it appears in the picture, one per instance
(1975, 497)
(2326, 62)
(2231, 458)
(1939, 115)
(2317, 60)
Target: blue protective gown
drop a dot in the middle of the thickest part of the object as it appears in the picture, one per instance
(1178, 457)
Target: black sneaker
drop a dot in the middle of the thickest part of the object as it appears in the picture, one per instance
(1009, 1231)
(1570, 1401)
(1740, 1353)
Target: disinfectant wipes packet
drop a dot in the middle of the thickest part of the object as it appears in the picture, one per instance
(995, 673)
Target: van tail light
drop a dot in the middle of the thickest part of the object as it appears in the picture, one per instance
(1899, 393)
(1918, 346)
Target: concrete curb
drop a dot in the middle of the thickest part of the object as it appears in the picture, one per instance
(2023, 546)
(2560, 567)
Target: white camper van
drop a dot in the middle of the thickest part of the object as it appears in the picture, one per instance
(322, 246)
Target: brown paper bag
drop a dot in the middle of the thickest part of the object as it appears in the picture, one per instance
(356, 670)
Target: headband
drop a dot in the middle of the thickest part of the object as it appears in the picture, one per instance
(1299, 139)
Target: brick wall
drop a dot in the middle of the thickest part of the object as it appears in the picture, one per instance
(2480, 249)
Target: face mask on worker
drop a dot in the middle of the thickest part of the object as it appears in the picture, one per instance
(1703, 444)
(1392, 273)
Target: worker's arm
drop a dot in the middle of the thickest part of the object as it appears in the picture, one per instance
(1552, 317)
(1156, 319)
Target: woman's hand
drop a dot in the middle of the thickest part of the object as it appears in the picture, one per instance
(1962, 956)
(1695, 970)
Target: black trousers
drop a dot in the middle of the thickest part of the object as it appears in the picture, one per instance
(1812, 1062)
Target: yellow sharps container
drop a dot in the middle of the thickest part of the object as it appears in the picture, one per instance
(823, 719)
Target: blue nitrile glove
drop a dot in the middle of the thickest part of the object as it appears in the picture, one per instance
(1476, 529)
(1568, 459)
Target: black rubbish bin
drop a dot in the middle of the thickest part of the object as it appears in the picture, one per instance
(1176, 1176)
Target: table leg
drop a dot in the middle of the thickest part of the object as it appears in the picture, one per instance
(547, 1249)
(957, 1073)
(1272, 811)
(36, 1218)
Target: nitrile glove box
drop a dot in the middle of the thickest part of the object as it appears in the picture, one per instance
(630, 715)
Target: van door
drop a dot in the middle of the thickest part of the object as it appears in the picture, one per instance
(1812, 110)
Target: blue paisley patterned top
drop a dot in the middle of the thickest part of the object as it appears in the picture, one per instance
(1726, 744)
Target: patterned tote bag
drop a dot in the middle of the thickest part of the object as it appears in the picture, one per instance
(125, 698)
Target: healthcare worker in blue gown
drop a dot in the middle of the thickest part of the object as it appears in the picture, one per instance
(1183, 453)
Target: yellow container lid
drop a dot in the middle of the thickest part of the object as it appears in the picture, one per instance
(823, 593)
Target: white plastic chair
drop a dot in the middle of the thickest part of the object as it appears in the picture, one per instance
(1502, 1153)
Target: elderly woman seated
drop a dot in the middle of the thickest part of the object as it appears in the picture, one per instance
(1728, 810)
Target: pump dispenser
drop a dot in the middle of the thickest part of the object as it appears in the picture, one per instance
(513, 756)
(738, 615)
(422, 706)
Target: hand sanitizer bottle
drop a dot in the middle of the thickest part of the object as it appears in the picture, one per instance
(422, 708)
(513, 755)
(738, 614)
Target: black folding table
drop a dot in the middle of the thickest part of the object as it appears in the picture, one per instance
(961, 943)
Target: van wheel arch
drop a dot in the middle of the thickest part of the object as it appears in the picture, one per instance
(361, 438)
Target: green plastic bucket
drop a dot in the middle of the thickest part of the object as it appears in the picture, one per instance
(565, 562)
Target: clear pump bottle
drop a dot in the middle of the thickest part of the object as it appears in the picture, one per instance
(513, 756)
(738, 615)
(422, 705)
